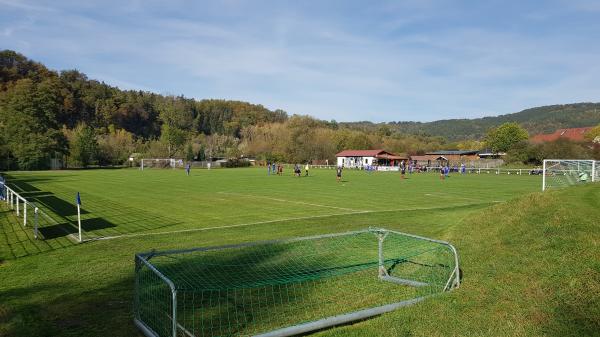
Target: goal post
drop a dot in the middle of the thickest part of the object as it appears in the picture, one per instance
(146, 163)
(568, 172)
(288, 287)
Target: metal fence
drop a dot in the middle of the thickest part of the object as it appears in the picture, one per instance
(288, 287)
(469, 170)
(21, 206)
(32, 215)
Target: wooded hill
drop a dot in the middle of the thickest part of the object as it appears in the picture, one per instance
(48, 114)
(545, 119)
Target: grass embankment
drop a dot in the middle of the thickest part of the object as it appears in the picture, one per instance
(531, 267)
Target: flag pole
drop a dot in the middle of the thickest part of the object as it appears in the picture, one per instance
(79, 215)
(79, 220)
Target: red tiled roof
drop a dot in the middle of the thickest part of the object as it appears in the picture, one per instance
(574, 134)
(360, 153)
(387, 155)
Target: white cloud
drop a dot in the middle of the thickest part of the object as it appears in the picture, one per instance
(389, 63)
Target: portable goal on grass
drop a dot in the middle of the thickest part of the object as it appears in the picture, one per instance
(288, 287)
(568, 172)
(147, 163)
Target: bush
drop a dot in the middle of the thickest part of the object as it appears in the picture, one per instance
(236, 163)
(84, 147)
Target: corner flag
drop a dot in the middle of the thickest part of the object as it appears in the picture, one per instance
(78, 201)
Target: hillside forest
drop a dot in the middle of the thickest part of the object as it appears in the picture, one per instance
(47, 114)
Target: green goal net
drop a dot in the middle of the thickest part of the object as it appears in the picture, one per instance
(288, 287)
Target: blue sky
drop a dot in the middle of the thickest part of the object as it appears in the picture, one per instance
(346, 60)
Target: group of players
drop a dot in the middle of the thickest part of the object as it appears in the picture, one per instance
(278, 169)
(403, 167)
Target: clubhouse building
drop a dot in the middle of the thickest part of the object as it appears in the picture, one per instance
(384, 160)
(364, 158)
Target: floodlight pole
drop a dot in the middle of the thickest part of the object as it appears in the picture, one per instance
(79, 220)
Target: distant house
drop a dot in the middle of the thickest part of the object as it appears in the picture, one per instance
(445, 157)
(572, 134)
(454, 155)
(361, 158)
(422, 160)
(489, 154)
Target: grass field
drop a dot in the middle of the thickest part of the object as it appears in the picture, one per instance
(528, 258)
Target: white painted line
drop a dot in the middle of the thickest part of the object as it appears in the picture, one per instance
(226, 226)
(289, 201)
(273, 221)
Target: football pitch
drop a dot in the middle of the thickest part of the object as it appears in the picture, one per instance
(512, 240)
(124, 203)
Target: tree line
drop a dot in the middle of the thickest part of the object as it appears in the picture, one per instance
(45, 114)
(537, 120)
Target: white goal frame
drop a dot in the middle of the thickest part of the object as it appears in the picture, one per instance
(548, 168)
(172, 162)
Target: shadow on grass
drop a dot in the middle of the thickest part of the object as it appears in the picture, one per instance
(59, 206)
(65, 229)
(96, 224)
(67, 309)
(57, 231)
(131, 219)
(56, 221)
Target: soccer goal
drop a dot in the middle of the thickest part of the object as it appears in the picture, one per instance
(288, 287)
(568, 172)
(147, 163)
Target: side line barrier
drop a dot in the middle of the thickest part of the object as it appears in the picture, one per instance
(14, 201)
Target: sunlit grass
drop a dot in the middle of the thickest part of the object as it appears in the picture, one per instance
(527, 261)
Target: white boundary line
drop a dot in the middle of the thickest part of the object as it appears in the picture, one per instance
(290, 201)
(273, 221)
(226, 226)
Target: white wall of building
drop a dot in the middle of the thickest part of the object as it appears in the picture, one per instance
(355, 161)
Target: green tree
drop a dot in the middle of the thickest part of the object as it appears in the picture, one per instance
(84, 146)
(115, 147)
(593, 135)
(173, 138)
(504, 137)
(564, 148)
(189, 152)
(202, 153)
(28, 113)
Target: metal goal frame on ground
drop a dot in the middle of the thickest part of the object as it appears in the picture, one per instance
(288, 287)
(568, 172)
(146, 163)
